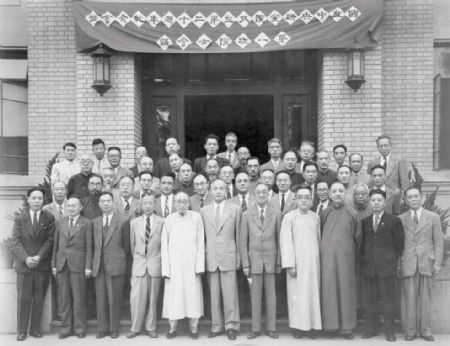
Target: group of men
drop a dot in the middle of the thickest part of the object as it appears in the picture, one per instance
(335, 233)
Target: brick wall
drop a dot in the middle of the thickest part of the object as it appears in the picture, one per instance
(51, 79)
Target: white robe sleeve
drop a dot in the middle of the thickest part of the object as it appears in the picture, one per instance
(287, 242)
(200, 258)
(165, 261)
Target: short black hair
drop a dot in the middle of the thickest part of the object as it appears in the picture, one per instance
(76, 197)
(35, 188)
(377, 167)
(114, 148)
(201, 174)
(377, 192)
(96, 141)
(384, 137)
(253, 158)
(282, 171)
(106, 193)
(169, 174)
(126, 176)
(346, 166)
(212, 136)
(147, 194)
(69, 144)
(268, 169)
(94, 175)
(301, 187)
(145, 172)
(412, 188)
(340, 146)
(226, 165)
(310, 163)
(353, 154)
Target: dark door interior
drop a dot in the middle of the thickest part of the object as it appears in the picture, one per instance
(249, 116)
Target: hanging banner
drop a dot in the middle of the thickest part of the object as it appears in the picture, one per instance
(227, 28)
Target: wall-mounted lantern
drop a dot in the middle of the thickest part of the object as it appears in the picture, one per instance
(355, 56)
(101, 57)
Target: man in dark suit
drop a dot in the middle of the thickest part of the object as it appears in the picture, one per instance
(382, 246)
(325, 173)
(243, 199)
(393, 196)
(230, 154)
(91, 209)
(71, 266)
(114, 158)
(184, 181)
(284, 200)
(211, 146)
(162, 166)
(165, 203)
(140, 153)
(109, 265)
(124, 202)
(274, 149)
(32, 235)
(203, 196)
(290, 162)
(78, 183)
(258, 246)
(226, 173)
(421, 263)
(396, 168)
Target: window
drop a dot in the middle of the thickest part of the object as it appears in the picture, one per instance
(14, 127)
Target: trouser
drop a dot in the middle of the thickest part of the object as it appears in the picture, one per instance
(267, 281)
(416, 304)
(144, 288)
(193, 325)
(223, 283)
(108, 290)
(380, 288)
(31, 289)
(72, 300)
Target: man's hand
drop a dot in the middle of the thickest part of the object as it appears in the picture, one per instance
(88, 273)
(292, 272)
(30, 262)
(436, 269)
(54, 272)
(246, 271)
(36, 259)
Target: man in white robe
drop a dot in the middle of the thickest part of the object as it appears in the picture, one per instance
(299, 246)
(183, 261)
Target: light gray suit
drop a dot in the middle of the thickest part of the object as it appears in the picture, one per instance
(195, 203)
(289, 202)
(396, 172)
(145, 272)
(53, 209)
(222, 260)
(423, 250)
(269, 165)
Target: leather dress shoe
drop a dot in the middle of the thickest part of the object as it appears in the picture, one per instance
(391, 337)
(21, 336)
(272, 334)
(171, 335)
(312, 335)
(253, 335)
(329, 334)
(409, 337)
(298, 334)
(114, 335)
(214, 334)
(427, 337)
(80, 335)
(36, 334)
(231, 334)
(132, 335)
(368, 335)
(153, 334)
(63, 335)
(348, 336)
(193, 335)
(101, 335)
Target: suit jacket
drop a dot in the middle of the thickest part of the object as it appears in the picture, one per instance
(28, 243)
(236, 200)
(221, 242)
(194, 201)
(200, 163)
(73, 248)
(114, 251)
(162, 166)
(259, 242)
(121, 172)
(152, 260)
(363, 178)
(396, 173)
(289, 203)
(135, 206)
(269, 165)
(381, 250)
(393, 200)
(134, 170)
(53, 209)
(159, 210)
(423, 246)
(235, 162)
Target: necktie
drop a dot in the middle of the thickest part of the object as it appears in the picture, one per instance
(166, 207)
(320, 208)
(127, 205)
(147, 233)
(229, 193)
(61, 211)
(105, 227)
(283, 202)
(384, 163)
(356, 177)
(376, 223)
(70, 226)
(244, 204)
(416, 218)
(229, 158)
(217, 216)
(202, 202)
(35, 223)
(262, 217)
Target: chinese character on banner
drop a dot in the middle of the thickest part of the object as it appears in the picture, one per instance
(306, 16)
(228, 19)
(199, 19)
(290, 17)
(93, 18)
(183, 42)
(262, 39)
(213, 19)
(242, 40)
(244, 18)
(108, 18)
(153, 19)
(164, 42)
(353, 13)
(184, 20)
(138, 19)
(259, 18)
(275, 17)
(337, 14)
(123, 19)
(224, 41)
(282, 38)
(168, 19)
(203, 41)
(321, 15)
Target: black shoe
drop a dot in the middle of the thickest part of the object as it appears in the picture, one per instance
(171, 335)
(153, 334)
(427, 337)
(101, 335)
(253, 335)
(231, 334)
(80, 335)
(391, 337)
(409, 337)
(312, 335)
(272, 334)
(132, 335)
(298, 334)
(21, 336)
(348, 336)
(193, 336)
(114, 335)
(213, 334)
(36, 334)
(63, 335)
(368, 335)
(329, 334)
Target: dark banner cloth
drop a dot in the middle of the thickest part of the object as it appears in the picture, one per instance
(227, 28)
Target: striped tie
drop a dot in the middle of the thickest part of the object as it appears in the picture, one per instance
(166, 207)
(147, 233)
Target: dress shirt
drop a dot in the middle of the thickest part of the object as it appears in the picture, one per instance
(163, 202)
(32, 215)
(387, 160)
(152, 222)
(379, 219)
(275, 163)
(247, 195)
(263, 209)
(286, 195)
(57, 206)
(130, 199)
(419, 212)
(108, 217)
(99, 165)
(221, 206)
(325, 205)
(62, 171)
